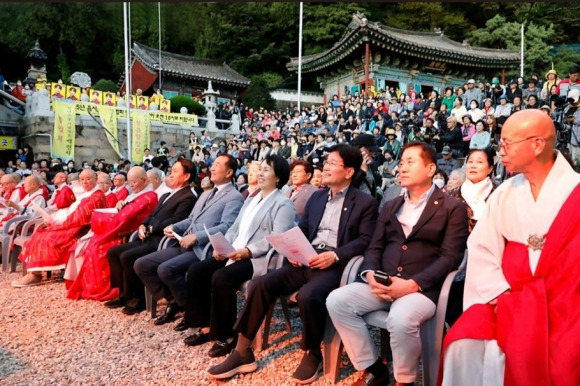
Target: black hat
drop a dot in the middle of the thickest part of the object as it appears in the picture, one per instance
(367, 141)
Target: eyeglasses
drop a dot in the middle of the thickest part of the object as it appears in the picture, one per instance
(333, 163)
(505, 146)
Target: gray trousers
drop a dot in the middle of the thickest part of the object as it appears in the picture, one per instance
(347, 306)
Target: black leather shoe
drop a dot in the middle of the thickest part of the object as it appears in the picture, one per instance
(181, 326)
(169, 315)
(134, 306)
(197, 339)
(219, 349)
(115, 303)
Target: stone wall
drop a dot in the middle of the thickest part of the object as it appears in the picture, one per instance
(91, 141)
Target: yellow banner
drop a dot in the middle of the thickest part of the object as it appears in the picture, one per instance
(63, 136)
(169, 118)
(109, 120)
(139, 135)
(8, 143)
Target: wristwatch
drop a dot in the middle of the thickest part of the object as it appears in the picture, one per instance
(336, 259)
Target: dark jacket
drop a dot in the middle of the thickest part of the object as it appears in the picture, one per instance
(434, 248)
(356, 225)
(177, 208)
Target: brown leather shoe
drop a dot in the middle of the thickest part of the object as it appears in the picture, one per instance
(368, 379)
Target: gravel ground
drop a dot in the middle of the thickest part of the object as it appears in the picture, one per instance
(46, 339)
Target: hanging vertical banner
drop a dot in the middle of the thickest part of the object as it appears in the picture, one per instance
(140, 127)
(108, 117)
(63, 135)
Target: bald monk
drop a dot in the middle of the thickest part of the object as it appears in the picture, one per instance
(63, 196)
(47, 248)
(88, 273)
(24, 206)
(521, 324)
(104, 181)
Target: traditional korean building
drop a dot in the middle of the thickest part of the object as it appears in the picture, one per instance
(370, 53)
(182, 75)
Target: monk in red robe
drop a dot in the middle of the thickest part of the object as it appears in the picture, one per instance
(48, 248)
(105, 183)
(108, 229)
(9, 193)
(120, 183)
(63, 195)
(521, 324)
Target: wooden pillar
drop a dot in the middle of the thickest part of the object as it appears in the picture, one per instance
(503, 76)
(367, 60)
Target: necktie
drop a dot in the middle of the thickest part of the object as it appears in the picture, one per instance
(212, 193)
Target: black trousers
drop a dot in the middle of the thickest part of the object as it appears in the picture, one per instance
(313, 287)
(121, 259)
(211, 295)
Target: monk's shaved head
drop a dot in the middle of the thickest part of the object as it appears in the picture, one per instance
(137, 178)
(527, 141)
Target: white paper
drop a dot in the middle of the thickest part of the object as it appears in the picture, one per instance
(43, 213)
(178, 237)
(220, 244)
(293, 245)
(107, 210)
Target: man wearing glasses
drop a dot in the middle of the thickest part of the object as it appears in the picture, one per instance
(520, 324)
(339, 222)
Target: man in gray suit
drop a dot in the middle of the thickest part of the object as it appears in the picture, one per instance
(301, 189)
(163, 272)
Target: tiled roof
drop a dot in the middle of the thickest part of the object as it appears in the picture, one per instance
(188, 66)
(426, 45)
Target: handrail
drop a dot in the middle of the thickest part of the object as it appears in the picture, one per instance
(12, 98)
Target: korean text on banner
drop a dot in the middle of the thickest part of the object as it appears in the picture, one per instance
(63, 143)
(108, 117)
(140, 134)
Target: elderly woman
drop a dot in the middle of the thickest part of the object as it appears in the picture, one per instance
(481, 139)
(456, 178)
(474, 192)
(212, 283)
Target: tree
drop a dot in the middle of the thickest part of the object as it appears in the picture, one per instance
(105, 85)
(258, 94)
(498, 33)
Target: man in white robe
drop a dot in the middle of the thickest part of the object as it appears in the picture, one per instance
(519, 214)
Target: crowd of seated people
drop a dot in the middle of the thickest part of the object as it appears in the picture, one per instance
(406, 200)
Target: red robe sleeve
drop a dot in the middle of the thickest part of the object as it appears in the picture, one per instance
(122, 193)
(64, 197)
(111, 200)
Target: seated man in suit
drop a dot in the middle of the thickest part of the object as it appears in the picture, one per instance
(172, 207)
(40, 252)
(301, 189)
(419, 239)
(163, 272)
(339, 222)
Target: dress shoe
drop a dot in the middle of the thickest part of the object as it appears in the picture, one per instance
(219, 349)
(134, 306)
(235, 363)
(197, 338)
(309, 368)
(181, 326)
(368, 379)
(115, 303)
(404, 384)
(169, 314)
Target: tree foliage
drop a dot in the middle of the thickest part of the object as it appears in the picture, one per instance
(254, 38)
(258, 93)
(193, 107)
(106, 85)
(499, 33)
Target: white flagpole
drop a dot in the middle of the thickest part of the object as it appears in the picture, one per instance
(127, 79)
(300, 55)
(159, 23)
(522, 53)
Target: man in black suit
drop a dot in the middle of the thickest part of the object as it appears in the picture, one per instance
(420, 238)
(172, 207)
(339, 222)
